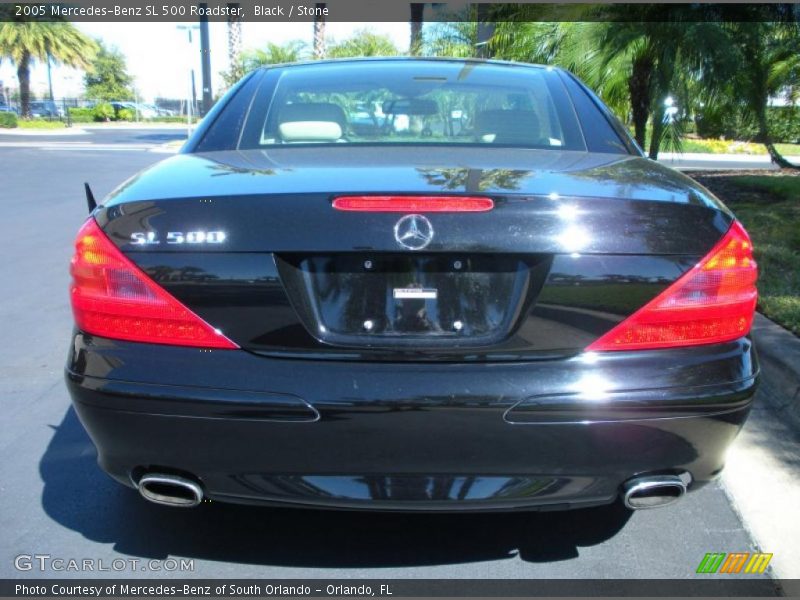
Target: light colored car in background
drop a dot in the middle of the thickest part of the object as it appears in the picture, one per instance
(47, 109)
(143, 111)
(146, 111)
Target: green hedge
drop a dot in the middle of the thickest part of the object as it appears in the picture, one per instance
(89, 115)
(81, 115)
(783, 123)
(8, 120)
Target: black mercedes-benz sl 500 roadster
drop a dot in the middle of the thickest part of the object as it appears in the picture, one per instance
(412, 284)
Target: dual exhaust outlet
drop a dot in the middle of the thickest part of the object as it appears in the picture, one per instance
(654, 491)
(170, 490)
(647, 491)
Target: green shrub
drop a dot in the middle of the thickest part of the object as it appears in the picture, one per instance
(103, 112)
(81, 115)
(125, 114)
(8, 120)
(727, 122)
(784, 124)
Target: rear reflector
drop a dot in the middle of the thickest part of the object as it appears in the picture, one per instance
(415, 204)
(111, 297)
(713, 302)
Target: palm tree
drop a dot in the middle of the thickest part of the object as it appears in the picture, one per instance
(236, 70)
(455, 38)
(274, 54)
(533, 42)
(634, 56)
(364, 43)
(485, 30)
(769, 55)
(24, 42)
(319, 32)
(573, 45)
(415, 24)
(649, 60)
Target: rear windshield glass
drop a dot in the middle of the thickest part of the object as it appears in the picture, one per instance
(413, 102)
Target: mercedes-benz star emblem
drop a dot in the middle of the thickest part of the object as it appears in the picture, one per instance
(413, 232)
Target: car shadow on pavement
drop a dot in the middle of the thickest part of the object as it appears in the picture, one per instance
(78, 495)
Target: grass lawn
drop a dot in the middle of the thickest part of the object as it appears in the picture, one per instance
(788, 149)
(769, 208)
(39, 124)
(692, 143)
(733, 147)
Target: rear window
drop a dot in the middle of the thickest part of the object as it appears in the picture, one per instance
(413, 102)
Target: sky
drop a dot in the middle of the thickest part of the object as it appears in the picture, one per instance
(160, 58)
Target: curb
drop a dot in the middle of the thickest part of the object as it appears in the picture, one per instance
(762, 472)
(707, 156)
(779, 355)
(140, 125)
(65, 131)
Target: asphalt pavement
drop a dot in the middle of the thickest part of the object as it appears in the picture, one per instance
(162, 138)
(54, 499)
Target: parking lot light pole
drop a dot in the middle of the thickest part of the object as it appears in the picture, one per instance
(191, 96)
(205, 57)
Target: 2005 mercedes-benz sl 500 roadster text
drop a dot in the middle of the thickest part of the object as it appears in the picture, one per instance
(412, 285)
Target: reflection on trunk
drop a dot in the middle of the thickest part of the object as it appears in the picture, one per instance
(473, 298)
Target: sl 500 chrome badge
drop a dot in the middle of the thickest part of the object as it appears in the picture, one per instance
(142, 238)
(414, 232)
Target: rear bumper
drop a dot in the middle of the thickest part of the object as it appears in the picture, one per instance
(412, 436)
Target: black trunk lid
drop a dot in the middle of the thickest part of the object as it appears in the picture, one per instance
(575, 242)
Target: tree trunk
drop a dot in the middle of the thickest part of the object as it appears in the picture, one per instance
(485, 31)
(658, 131)
(24, 76)
(766, 139)
(417, 15)
(640, 90)
(319, 33)
(235, 45)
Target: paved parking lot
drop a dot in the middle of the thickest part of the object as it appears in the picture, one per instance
(54, 500)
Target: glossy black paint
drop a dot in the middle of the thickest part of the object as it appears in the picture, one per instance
(577, 299)
(545, 202)
(401, 436)
(508, 413)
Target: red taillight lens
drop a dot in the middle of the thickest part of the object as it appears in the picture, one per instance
(111, 297)
(711, 303)
(413, 204)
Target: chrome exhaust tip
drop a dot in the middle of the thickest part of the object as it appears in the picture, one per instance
(170, 490)
(654, 491)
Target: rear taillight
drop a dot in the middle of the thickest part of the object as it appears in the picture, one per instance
(111, 297)
(413, 204)
(713, 302)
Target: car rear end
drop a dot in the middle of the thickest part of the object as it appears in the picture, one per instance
(443, 312)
